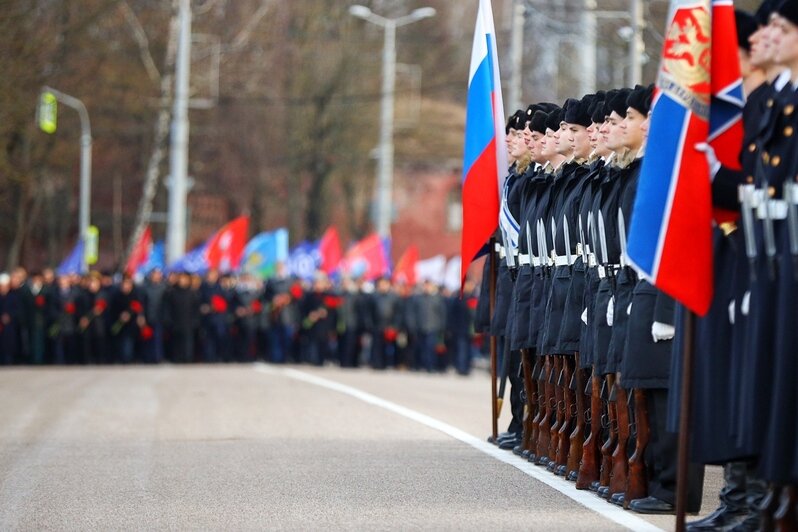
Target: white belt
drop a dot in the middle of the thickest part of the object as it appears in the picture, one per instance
(524, 260)
(773, 208)
(604, 271)
(791, 194)
(500, 249)
(578, 248)
(591, 260)
(563, 261)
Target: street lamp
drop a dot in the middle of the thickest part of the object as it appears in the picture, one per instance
(85, 164)
(385, 167)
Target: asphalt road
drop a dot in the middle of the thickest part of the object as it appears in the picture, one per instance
(261, 447)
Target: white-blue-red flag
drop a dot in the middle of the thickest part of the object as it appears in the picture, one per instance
(699, 100)
(485, 158)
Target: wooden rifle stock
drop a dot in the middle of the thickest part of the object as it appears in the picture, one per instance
(612, 432)
(577, 436)
(784, 519)
(620, 458)
(544, 427)
(563, 437)
(637, 485)
(537, 381)
(529, 389)
(554, 440)
(589, 468)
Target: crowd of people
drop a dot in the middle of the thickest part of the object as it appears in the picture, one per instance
(594, 350)
(180, 318)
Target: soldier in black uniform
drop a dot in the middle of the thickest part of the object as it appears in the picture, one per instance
(524, 280)
(508, 250)
(768, 397)
(645, 353)
(572, 143)
(582, 296)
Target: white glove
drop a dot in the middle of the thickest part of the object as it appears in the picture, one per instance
(731, 312)
(745, 304)
(611, 311)
(629, 309)
(584, 316)
(712, 159)
(662, 331)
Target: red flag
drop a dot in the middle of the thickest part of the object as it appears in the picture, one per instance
(699, 100)
(141, 252)
(405, 270)
(366, 258)
(330, 250)
(226, 247)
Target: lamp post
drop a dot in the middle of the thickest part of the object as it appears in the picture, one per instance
(385, 167)
(85, 164)
(178, 152)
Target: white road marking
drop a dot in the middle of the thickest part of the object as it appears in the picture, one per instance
(586, 499)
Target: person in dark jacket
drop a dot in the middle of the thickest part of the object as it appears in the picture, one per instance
(181, 319)
(10, 317)
(154, 289)
(430, 310)
(384, 326)
(126, 316)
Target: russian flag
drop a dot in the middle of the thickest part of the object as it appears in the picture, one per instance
(485, 158)
(699, 100)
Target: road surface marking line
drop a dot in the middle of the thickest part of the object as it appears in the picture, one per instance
(587, 499)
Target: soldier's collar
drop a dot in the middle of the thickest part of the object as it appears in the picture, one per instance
(782, 79)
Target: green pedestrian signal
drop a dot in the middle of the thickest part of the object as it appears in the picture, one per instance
(48, 112)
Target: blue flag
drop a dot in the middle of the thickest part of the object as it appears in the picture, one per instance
(192, 262)
(156, 260)
(264, 251)
(304, 260)
(72, 262)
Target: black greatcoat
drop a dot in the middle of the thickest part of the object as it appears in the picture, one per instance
(523, 283)
(504, 283)
(719, 343)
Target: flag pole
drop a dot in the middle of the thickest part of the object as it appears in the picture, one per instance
(684, 419)
(493, 398)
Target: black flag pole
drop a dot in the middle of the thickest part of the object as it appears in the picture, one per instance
(493, 371)
(684, 419)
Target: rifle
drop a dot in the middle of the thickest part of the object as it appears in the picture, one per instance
(567, 415)
(637, 485)
(531, 399)
(577, 436)
(784, 518)
(556, 378)
(612, 431)
(544, 426)
(620, 459)
(505, 375)
(589, 468)
(746, 196)
(537, 382)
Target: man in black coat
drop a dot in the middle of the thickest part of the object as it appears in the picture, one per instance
(181, 319)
